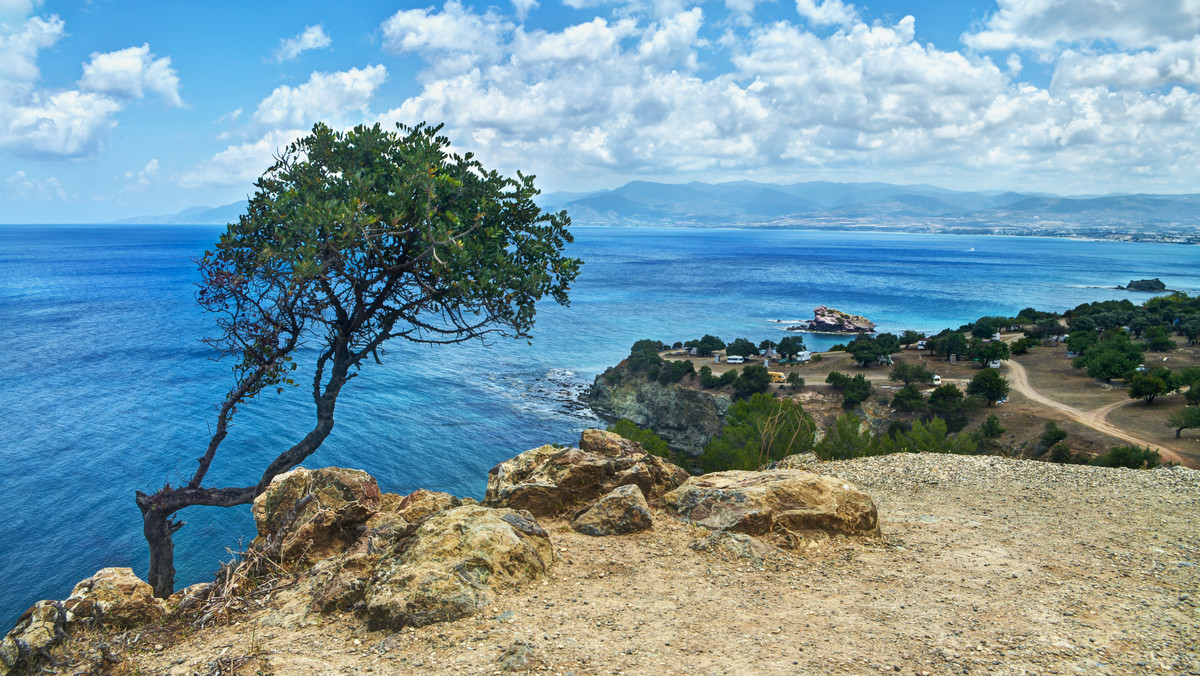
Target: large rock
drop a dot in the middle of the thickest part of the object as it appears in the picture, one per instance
(552, 480)
(37, 630)
(685, 418)
(312, 514)
(114, 597)
(763, 503)
(829, 320)
(1151, 285)
(454, 563)
(623, 510)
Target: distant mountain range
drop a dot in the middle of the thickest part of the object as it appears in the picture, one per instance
(192, 216)
(826, 205)
(866, 204)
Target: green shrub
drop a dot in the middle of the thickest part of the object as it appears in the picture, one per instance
(1133, 457)
(654, 444)
(757, 431)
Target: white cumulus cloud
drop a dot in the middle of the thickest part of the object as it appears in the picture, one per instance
(239, 164)
(130, 73)
(329, 97)
(312, 37)
(1046, 24)
(826, 12)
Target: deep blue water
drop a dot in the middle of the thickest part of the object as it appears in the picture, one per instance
(109, 390)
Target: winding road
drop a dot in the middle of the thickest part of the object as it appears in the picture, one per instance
(1095, 418)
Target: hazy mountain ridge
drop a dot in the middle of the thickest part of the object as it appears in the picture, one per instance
(883, 205)
(192, 216)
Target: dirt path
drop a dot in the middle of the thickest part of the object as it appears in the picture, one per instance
(1095, 418)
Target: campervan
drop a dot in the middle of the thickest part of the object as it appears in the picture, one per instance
(735, 359)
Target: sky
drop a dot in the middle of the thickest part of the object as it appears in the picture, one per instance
(111, 109)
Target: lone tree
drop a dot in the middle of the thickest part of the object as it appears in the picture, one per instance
(989, 386)
(352, 239)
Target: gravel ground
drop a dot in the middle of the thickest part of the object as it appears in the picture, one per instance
(986, 565)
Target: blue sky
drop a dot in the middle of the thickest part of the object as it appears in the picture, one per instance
(113, 109)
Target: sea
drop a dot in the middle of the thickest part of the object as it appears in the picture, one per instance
(109, 389)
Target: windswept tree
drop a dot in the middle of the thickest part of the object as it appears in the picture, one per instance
(351, 240)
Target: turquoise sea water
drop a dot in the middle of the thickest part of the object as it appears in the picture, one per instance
(109, 390)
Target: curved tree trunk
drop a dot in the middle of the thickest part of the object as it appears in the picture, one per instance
(157, 525)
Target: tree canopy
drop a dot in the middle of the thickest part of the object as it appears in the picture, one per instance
(350, 240)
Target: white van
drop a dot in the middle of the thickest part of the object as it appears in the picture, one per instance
(937, 380)
(735, 359)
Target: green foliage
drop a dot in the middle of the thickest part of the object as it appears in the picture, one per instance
(989, 386)
(654, 444)
(766, 344)
(1080, 341)
(674, 371)
(1146, 386)
(727, 378)
(991, 428)
(1113, 356)
(909, 399)
(790, 346)
(1184, 418)
(948, 403)
(643, 358)
(910, 337)
(1193, 395)
(707, 379)
(741, 347)
(1052, 435)
(706, 346)
(854, 390)
(795, 380)
(929, 438)
(996, 350)
(1022, 346)
(948, 343)
(1061, 453)
(839, 347)
(846, 439)
(867, 349)
(1159, 340)
(757, 431)
(1132, 457)
(753, 380)
(910, 372)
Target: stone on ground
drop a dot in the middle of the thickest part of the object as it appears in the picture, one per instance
(310, 514)
(623, 510)
(783, 501)
(551, 480)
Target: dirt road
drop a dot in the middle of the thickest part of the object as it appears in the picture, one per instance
(1096, 419)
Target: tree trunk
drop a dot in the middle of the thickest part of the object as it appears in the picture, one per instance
(158, 527)
(1177, 432)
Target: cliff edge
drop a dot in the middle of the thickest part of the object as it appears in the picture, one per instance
(983, 564)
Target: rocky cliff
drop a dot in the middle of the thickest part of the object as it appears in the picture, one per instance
(686, 418)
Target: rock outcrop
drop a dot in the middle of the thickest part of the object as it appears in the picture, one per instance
(829, 320)
(310, 514)
(774, 502)
(453, 565)
(1149, 285)
(113, 598)
(552, 480)
(623, 510)
(685, 418)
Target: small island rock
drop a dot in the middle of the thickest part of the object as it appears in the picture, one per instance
(1150, 285)
(828, 320)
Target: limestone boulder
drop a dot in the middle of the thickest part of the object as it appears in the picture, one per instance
(781, 501)
(114, 597)
(454, 564)
(36, 631)
(552, 480)
(312, 514)
(623, 510)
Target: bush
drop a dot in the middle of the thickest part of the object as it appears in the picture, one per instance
(757, 431)
(654, 444)
(1052, 435)
(908, 372)
(1133, 457)
(754, 380)
(909, 399)
(673, 372)
(855, 390)
(795, 380)
(1061, 453)
(727, 378)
